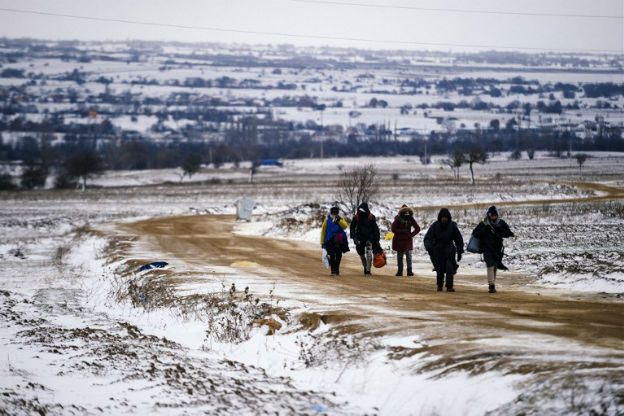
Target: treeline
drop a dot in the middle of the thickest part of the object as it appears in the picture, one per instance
(73, 162)
(147, 154)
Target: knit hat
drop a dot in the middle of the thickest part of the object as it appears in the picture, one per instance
(334, 210)
(492, 211)
(363, 208)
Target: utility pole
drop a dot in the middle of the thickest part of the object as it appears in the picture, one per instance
(322, 136)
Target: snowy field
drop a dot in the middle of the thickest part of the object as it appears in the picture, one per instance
(157, 77)
(82, 333)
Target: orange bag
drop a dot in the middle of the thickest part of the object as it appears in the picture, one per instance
(380, 259)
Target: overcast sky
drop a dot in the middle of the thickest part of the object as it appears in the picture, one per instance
(301, 17)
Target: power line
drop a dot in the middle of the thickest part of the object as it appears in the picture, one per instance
(451, 10)
(301, 36)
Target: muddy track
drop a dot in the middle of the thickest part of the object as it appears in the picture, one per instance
(401, 303)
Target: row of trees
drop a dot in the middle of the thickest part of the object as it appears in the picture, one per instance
(75, 162)
(355, 186)
(73, 172)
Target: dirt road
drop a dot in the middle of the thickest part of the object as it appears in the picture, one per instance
(405, 303)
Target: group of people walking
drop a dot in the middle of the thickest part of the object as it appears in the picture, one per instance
(443, 241)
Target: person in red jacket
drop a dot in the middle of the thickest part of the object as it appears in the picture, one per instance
(404, 228)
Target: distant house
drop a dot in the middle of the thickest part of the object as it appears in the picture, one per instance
(586, 130)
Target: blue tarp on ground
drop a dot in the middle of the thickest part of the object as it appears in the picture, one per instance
(153, 265)
(271, 162)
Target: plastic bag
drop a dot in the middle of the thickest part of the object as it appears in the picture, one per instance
(380, 259)
(474, 245)
(325, 259)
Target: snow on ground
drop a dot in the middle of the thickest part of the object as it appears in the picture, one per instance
(68, 347)
(63, 323)
(366, 377)
(352, 88)
(64, 318)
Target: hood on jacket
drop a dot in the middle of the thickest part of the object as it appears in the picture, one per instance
(405, 210)
(363, 209)
(491, 211)
(444, 212)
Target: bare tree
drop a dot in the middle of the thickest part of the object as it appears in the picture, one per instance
(581, 158)
(190, 166)
(515, 155)
(455, 161)
(475, 155)
(83, 165)
(34, 174)
(357, 186)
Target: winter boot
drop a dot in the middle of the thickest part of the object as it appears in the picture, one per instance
(492, 289)
(440, 288)
(399, 273)
(409, 272)
(440, 280)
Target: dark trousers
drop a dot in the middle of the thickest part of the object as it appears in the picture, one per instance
(334, 255)
(408, 260)
(445, 269)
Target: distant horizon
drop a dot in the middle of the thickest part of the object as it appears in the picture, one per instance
(423, 50)
(556, 26)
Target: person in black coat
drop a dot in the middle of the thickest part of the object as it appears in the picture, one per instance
(491, 232)
(365, 234)
(445, 244)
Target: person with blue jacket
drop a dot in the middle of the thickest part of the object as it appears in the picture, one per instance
(334, 239)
